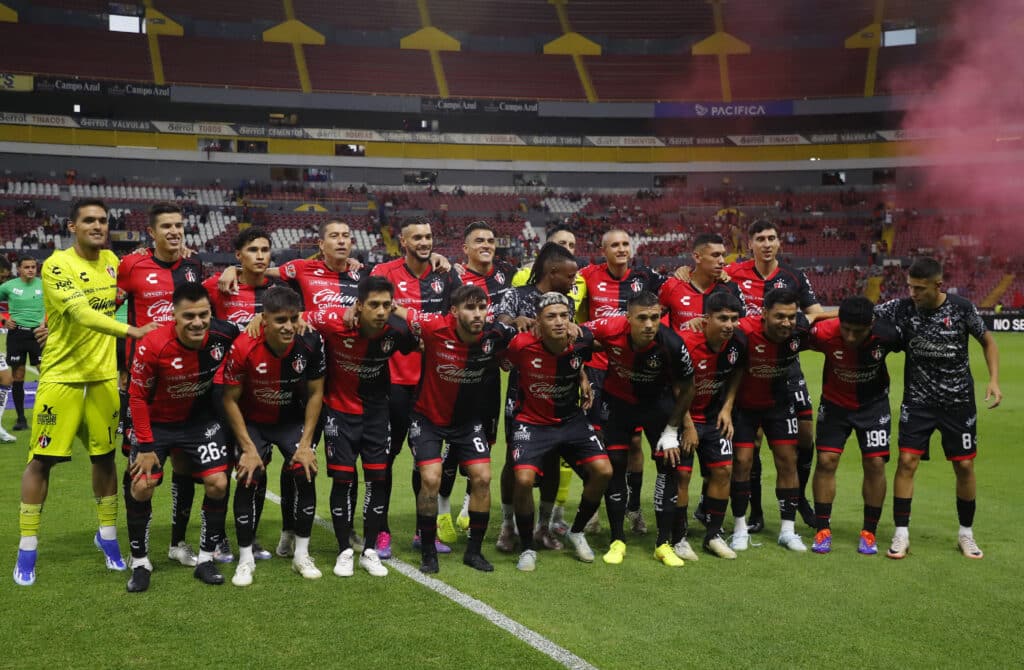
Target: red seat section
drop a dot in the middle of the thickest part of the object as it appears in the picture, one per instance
(368, 70)
(73, 51)
(652, 19)
(379, 15)
(678, 77)
(203, 60)
(223, 10)
(798, 73)
(507, 75)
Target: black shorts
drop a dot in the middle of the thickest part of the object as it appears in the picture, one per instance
(467, 444)
(713, 450)
(598, 412)
(122, 358)
(401, 399)
(22, 347)
(957, 425)
(801, 396)
(871, 423)
(265, 435)
(625, 420)
(350, 436)
(780, 425)
(204, 443)
(575, 440)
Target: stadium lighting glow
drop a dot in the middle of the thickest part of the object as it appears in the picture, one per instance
(899, 38)
(126, 24)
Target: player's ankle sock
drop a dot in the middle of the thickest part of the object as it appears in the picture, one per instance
(715, 509)
(901, 512)
(754, 490)
(525, 524)
(426, 524)
(138, 515)
(664, 506)
(353, 493)
(901, 531)
(204, 556)
(804, 461)
(615, 506)
(477, 528)
(245, 553)
(244, 505)
(740, 495)
(871, 517)
(260, 494)
(965, 511)
(373, 520)
(586, 510)
(4, 392)
(304, 507)
(787, 526)
(301, 545)
(679, 525)
(183, 493)
(544, 518)
(739, 525)
(465, 502)
(214, 515)
(19, 399)
(341, 515)
(444, 505)
(822, 515)
(789, 500)
(634, 483)
(564, 482)
(508, 514)
(448, 477)
(28, 523)
(106, 513)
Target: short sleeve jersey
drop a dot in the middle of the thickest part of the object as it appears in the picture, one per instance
(854, 378)
(608, 295)
(320, 286)
(765, 381)
(937, 371)
(74, 353)
(685, 302)
(548, 393)
(753, 285)
(712, 371)
(495, 284)
(24, 301)
(238, 308)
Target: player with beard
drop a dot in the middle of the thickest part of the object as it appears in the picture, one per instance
(609, 286)
(146, 281)
(461, 356)
(938, 394)
(273, 388)
(418, 286)
(649, 386)
(549, 417)
(554, 271)
(356, 422)
(854, 398)
(171, 397)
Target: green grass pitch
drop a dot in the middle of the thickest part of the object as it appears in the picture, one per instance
(769, 608)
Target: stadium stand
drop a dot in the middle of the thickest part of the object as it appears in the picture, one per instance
(369, 70)
(74, 51)
(242, 63)
(536, 75)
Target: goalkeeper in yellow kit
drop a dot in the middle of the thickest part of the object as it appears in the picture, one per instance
(77, 394)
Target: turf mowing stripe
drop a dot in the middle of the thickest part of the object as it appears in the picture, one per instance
(545, 646)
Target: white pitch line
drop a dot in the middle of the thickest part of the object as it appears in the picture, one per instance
(559, 654)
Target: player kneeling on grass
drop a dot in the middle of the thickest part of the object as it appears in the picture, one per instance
(649, 385)
(548, 416)
(273, 394)
(854, 397)
(171, 400)
(461, 356)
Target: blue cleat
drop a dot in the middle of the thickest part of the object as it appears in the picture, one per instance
(822, 542)
(867, 544)
(111, 552)
(25, 568)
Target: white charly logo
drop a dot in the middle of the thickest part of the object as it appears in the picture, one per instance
(685, 301)
(177, 363)
(161, 310)
(319, 272)
(449, 344)
(347, 342)
(415, 430)
(403, 286)
(538, 363)
(838, 353)
(759, 348)
(601, 286)
(151, 278)
(261, 368)
(747, 284)
(702, 365)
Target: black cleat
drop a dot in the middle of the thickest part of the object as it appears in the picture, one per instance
(756, 524)
(477, 562)
(208, 573)
(139, 581)
(428, 565)
(807, 513)
(20, 424)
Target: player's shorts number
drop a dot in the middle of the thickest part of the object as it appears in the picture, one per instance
(792, 426)
(800, 396)
(212, 452)
(968, 441)
(877, 438)
(596, 440)
(480, 445)
(726, 446)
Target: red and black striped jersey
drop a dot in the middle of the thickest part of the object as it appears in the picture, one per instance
(238, 308)
(429, 293)
(495, 284)
(712, 371)
(171, 383)
(753, 285)
(358, 365)
(274, 388)
(685, 302)
(608, 295)
(640, 375)
(451, 390)
(854, 378)
(548, 393)
(320, 286)
(765, 380)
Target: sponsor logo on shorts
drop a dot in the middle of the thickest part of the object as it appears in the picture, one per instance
(884, 419)
(44, 441)
(330, 427)
(522, 434)
(415, 429)
(971, 420)
(212, 431)
(904, 413)
(46, 417)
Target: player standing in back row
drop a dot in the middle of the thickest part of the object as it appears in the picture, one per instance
(938, 393)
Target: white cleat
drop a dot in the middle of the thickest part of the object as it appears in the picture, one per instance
(305, 566)
(184, 554)
(792, 542)
(527, 561)
(968, 547)
(685, 551)
(370, 561)
(719, 547)
(6, 437)
(345, 565)
(243, 573)
(739, 542)
(580, 546)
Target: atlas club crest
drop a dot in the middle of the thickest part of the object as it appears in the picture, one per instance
(190, 275)
(217, 351)
(436, 285)
(299, 364)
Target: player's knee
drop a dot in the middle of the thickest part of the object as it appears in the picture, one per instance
(524, 478)
(963, 469)
(908, 463)
(874, 466)
(141, 491)
(480, 481)
(600, 469)
(721, 476)
(430, 480)
(216, 485)
(828, 462)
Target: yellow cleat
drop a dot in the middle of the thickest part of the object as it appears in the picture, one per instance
(616, 553)
(667, 555)
(463, 523)
(446, 529)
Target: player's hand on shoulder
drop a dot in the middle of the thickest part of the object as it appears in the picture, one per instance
(523, 323)
(136, 332)
(228, 282)
(439, 262)
(255, 326)
(353, 265)
(696, 324)
(682, 273)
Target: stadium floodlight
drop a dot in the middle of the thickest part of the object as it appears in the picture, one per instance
(126, 24)
(899, 38)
